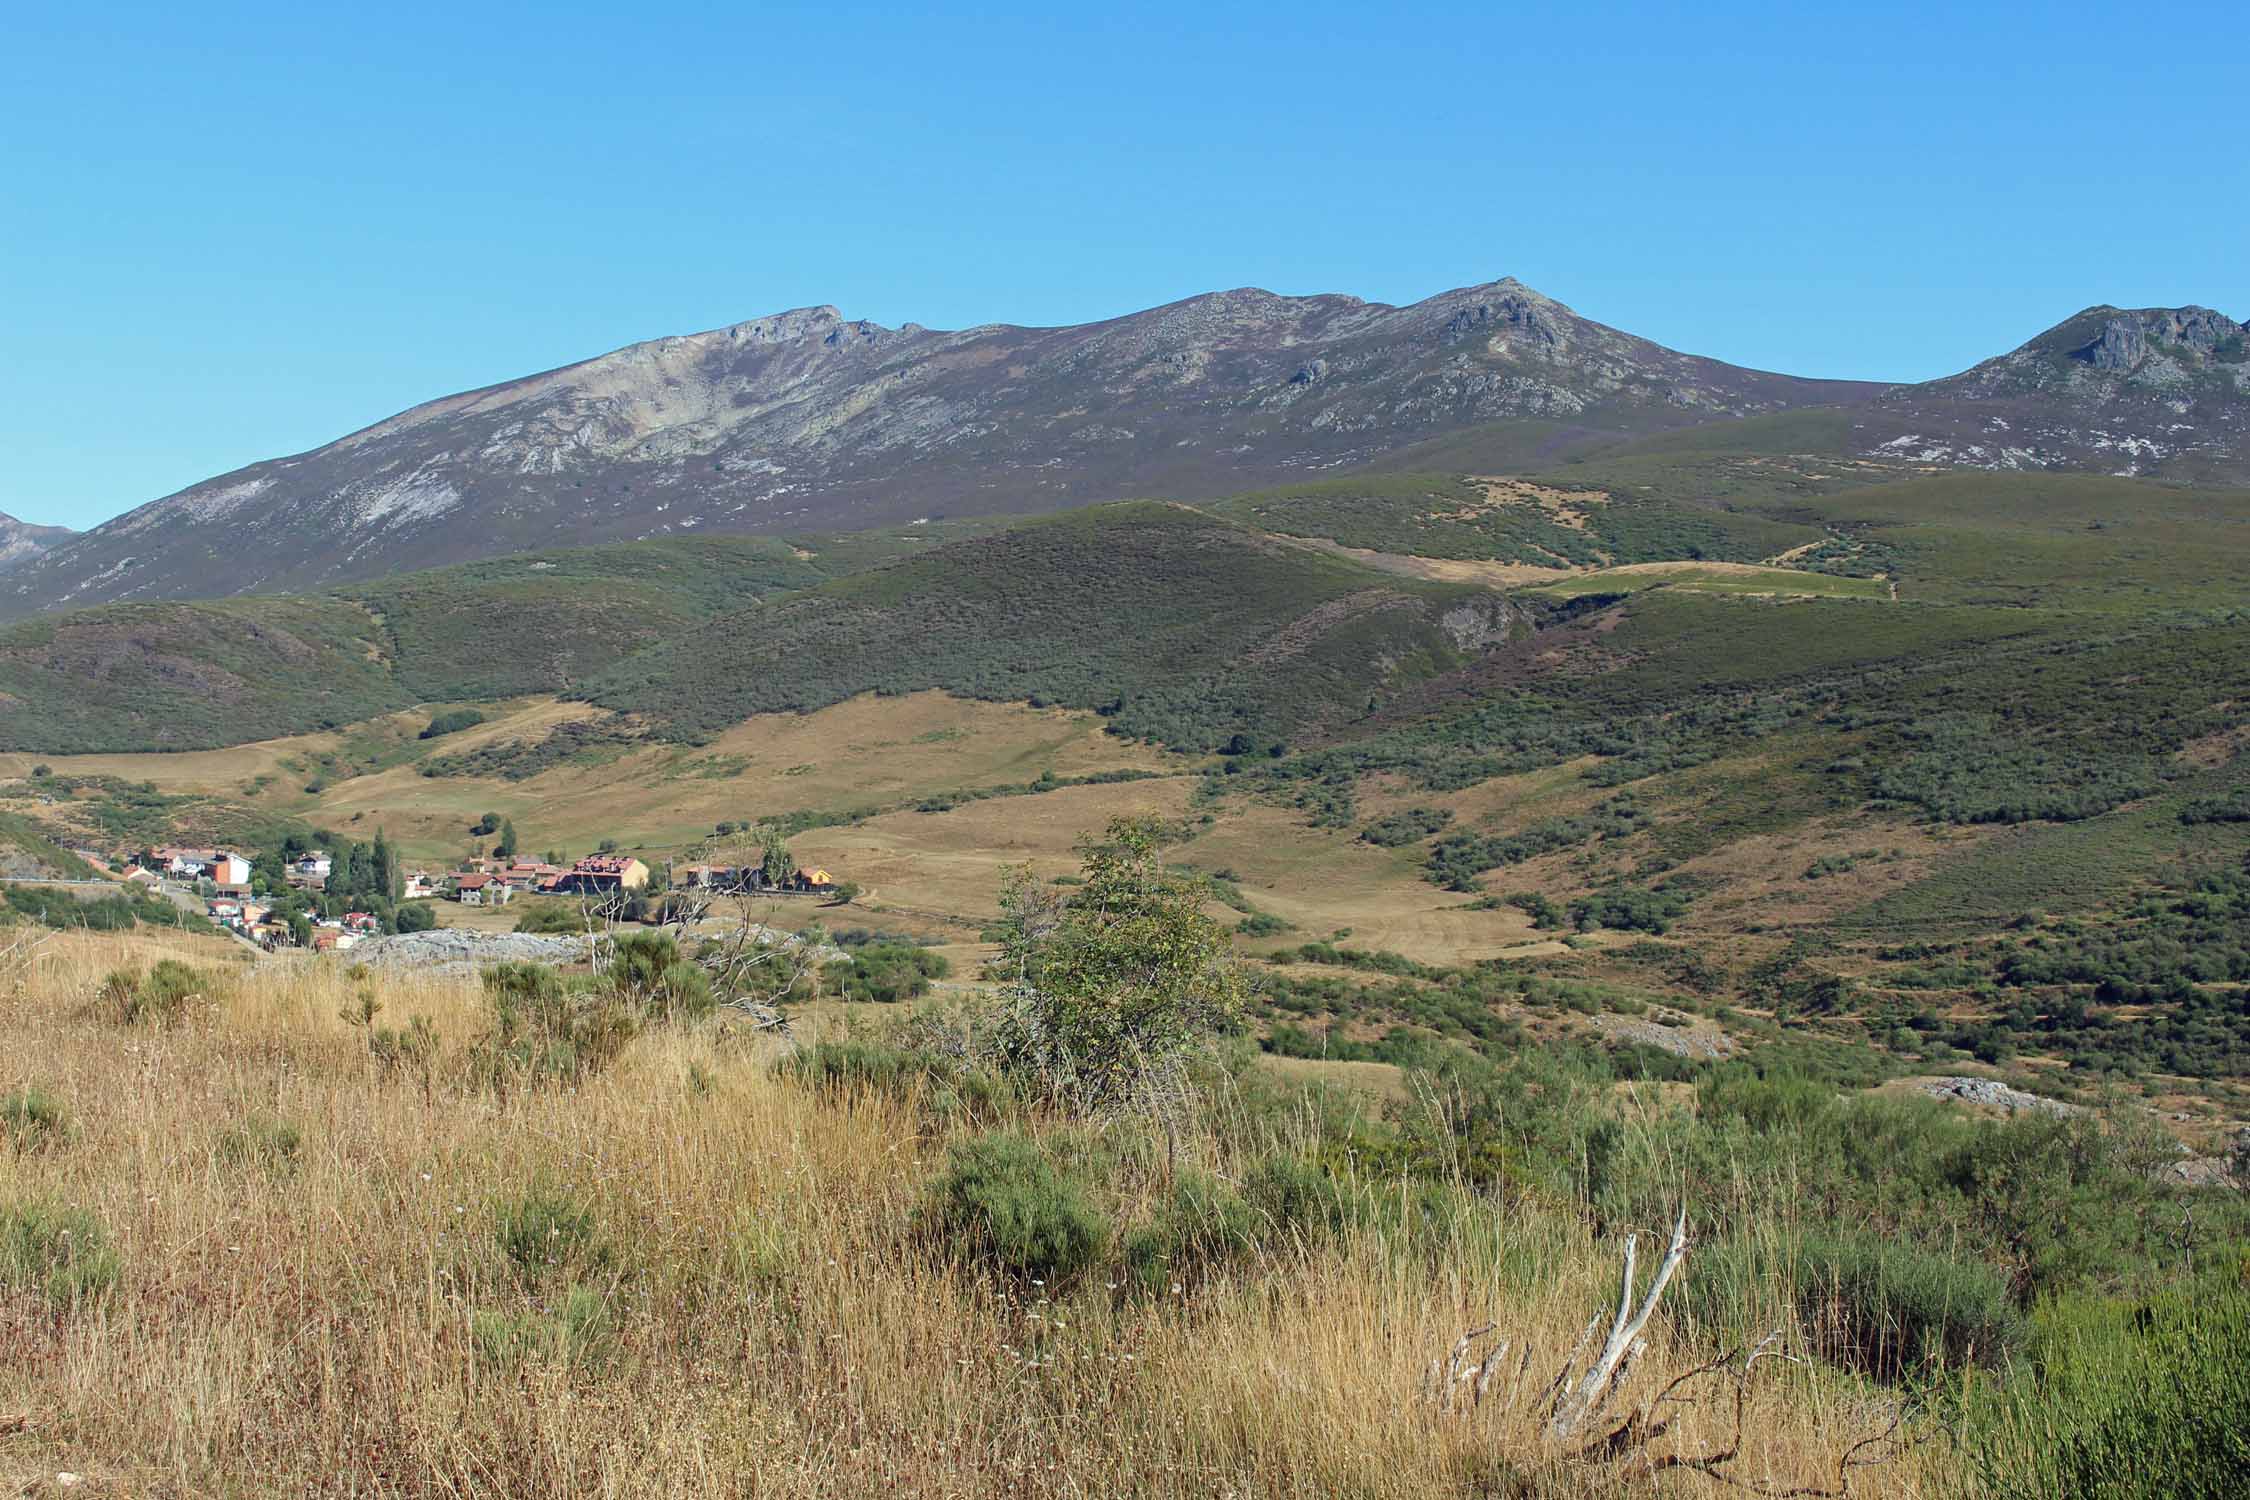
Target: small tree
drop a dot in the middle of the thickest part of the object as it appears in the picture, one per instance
(778, 865)
(390, 880)
(506, 848)
(1119, 982)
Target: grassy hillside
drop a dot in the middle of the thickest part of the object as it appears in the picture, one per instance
(1577, 517)
(134, 677)
(183, 676)
(442, 1248)
(1900, 787)
(28, 851)
(1176, 625)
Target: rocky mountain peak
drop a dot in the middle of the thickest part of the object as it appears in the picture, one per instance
(22, 542)
(2149, 390)
(2125, 340)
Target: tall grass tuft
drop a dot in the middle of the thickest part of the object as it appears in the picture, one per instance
(30, 1118)
(62, 1254)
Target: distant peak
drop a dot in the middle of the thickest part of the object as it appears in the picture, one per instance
(779, 327)
(2121, 339)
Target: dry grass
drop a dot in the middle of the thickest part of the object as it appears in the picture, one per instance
(865, 752)
(770, 1326)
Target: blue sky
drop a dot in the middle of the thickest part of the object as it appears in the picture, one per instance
(233, 232)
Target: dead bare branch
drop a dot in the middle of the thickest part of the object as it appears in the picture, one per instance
(1461, 1382)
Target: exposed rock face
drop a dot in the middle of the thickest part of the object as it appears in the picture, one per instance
(2150, 391)
(2192, 336)
(21, 542)
(808, 420)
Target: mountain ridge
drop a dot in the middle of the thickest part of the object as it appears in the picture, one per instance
(806, 419)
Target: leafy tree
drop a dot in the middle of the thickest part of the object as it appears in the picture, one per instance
(1117, 983)
(779, 865)
(389, 879)
(506, 848)
(452, 723)
(359, 869)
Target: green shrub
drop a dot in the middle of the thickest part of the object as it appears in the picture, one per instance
(2126, 1401)
(1001, 1204)
(1867, 1304)
(548, 1030)
(261, 1142)
(62, 1254)
(548, 1230)
(416, 916)
(1201, 1224)
(1407, 826)
(651, 975)
(31, 1117)
(158, 998)
(1888, 1309)
(944, 1085)
(1781, 1102)
(1295, 1194)
(886, 972)
(452, 722)
(550, 918)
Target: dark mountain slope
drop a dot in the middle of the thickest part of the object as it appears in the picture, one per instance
(807, 420)
(189, 676)
(1185, 626)
(1178, 625)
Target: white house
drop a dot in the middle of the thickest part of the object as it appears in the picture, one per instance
(228, 868)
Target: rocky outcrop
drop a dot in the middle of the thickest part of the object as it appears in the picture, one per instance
(2162, 392)
(21, 542)
(1991, 1093)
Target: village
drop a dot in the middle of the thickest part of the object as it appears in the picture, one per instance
(239, 894)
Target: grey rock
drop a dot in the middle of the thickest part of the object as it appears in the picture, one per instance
(1993, 1094)
(455, 951)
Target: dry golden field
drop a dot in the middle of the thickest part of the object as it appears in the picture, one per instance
(752, 1314)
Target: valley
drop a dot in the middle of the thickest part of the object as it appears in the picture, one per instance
(1714, 786)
